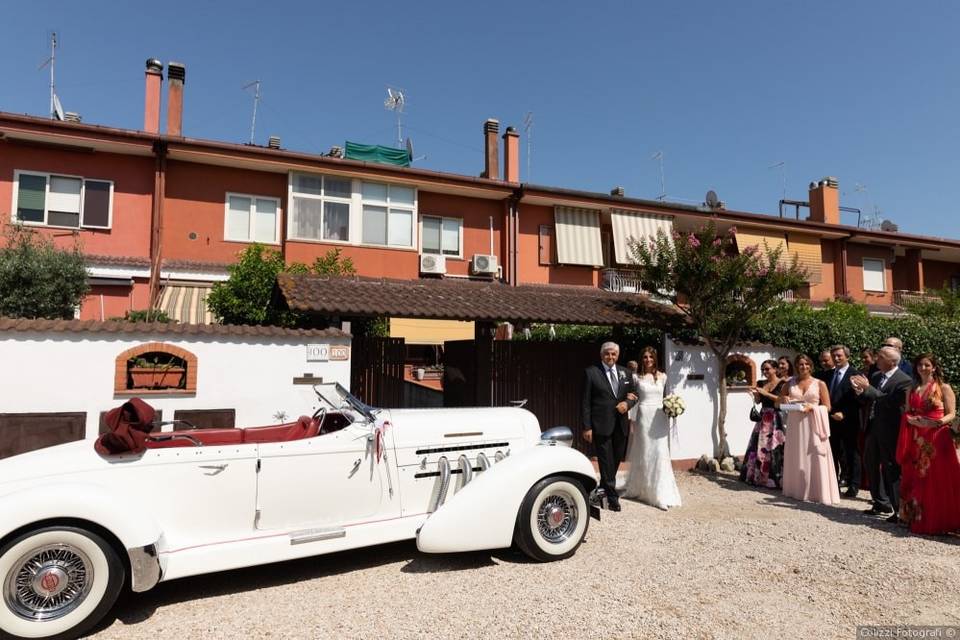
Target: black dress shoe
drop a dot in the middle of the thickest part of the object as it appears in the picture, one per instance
(893, 519)
(877, 510)
(852, 492)
(613, 505)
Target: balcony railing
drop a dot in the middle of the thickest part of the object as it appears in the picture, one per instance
(621, 281)
(904, 298)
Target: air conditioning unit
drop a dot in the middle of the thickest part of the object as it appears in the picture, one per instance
(484, 265)
(432, 263)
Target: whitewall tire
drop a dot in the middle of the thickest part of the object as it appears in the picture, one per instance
(56, 582)
(553, 519)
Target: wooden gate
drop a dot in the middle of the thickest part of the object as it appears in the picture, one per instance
(548, 375)
(376, 371)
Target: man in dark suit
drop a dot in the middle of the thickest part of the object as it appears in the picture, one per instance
(606, 386)
(826, 366)
(888, 390)
(844, 420)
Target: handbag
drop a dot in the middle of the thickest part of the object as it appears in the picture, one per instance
(754, 414)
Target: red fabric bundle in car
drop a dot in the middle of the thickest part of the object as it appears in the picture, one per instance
(129, 425)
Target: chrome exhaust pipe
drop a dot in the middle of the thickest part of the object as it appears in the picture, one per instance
(444, 466)
(483, 461)
(466, 469)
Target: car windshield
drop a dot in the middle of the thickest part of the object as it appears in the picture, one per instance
(339, 398)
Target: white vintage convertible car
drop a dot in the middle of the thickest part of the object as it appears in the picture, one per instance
(77, 525)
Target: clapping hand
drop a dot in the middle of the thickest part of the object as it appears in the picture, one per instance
(859, 382)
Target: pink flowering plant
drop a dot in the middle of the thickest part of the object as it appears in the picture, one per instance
(719, 285)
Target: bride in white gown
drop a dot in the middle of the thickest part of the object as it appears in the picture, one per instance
(650, 478)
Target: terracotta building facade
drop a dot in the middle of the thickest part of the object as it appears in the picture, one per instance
(161, 216)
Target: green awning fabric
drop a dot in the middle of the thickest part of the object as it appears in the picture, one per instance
(376, 153)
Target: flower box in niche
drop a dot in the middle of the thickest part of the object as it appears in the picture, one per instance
(740, 372)
(156, 370)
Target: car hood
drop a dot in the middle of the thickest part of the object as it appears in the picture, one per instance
(423, 427)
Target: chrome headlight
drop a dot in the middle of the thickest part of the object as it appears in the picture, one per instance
(558, 435)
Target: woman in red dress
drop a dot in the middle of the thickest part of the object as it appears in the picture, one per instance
(927, 454)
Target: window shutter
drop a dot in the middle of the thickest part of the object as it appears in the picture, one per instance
(31, 198)
(546, 244)
(96, 204)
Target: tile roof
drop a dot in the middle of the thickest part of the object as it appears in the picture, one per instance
(176, 264)
(449, 299)
(122, 261)
(115, 327)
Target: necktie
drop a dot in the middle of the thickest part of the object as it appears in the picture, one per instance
(835, 381)
(613, 380)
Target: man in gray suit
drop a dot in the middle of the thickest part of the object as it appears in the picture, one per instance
(888, 390)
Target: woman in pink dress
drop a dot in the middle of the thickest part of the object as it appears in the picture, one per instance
(808, 471)
(926, 453)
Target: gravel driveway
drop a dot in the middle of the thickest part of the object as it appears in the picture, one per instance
(733, 562)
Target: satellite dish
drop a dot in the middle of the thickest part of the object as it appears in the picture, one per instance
(57, 108)
(889, 225)
(712, 199)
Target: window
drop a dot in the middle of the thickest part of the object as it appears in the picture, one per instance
(251, 218)
(321, 208)
(441, 235)
(873, 274)
(62, 201)
(388, 214)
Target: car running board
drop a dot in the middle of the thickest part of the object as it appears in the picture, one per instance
(315, 535)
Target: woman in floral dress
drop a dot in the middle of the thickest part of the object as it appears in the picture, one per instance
(763, 461)
(927, 454)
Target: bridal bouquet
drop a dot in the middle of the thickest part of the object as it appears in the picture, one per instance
(673, 405)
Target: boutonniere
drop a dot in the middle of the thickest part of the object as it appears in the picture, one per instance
(621, 374)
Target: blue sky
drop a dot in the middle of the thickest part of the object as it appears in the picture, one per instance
(867, 91)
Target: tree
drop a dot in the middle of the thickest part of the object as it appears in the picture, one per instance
(719, 288)
(245, 297)
(38, 280)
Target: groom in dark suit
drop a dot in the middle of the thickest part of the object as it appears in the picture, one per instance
(844, 419)
(605, 422)
(888, 389)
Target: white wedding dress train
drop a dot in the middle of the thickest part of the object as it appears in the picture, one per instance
(650, 478)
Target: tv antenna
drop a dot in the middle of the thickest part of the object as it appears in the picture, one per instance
(658, 156)
(395, 102)
(528, 131)
(256, 101)
(870, 221)
(56, 113)
(782, 165)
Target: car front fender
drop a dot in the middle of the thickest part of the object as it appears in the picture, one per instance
(483, 514)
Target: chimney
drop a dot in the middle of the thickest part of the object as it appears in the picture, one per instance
(491, 161)
(151, 105)
(511, 155)
(825, 201)
(176, 75)
(617, 192)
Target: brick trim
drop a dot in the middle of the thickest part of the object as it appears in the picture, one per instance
(120, 367)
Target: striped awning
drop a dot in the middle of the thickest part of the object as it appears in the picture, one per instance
(637, 226)
(764, 241)
(809, 256)
(186, 303)
(578, 236)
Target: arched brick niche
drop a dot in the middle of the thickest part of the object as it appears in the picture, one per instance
(740, 371)
(174, 370)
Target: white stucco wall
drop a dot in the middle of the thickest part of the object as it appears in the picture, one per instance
(74, 371)
(694, 432)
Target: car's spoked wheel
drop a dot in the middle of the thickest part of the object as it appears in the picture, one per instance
(56, 582)
(553, 519)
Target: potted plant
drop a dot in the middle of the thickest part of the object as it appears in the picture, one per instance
(156, 371)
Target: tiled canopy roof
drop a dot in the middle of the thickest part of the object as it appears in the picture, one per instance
(171, 328)
(469, 300)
